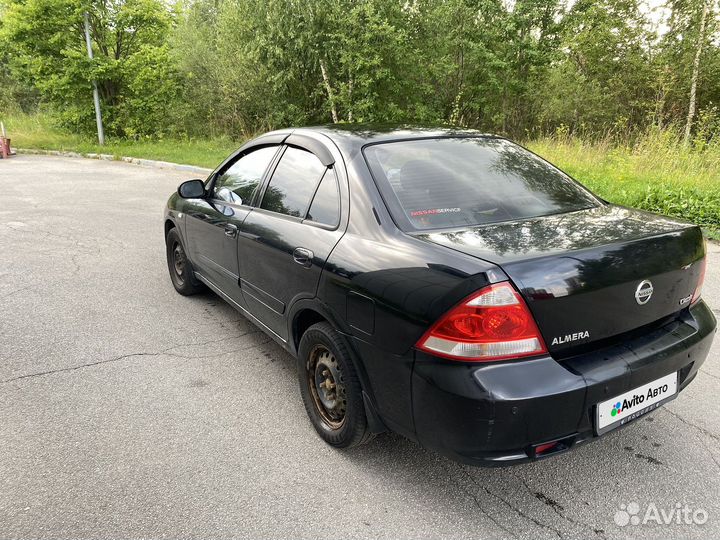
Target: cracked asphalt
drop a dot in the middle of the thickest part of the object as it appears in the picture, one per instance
(128, 411)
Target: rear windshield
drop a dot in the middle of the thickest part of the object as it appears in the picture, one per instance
(455, 182)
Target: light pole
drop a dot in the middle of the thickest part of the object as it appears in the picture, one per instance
(96, 95)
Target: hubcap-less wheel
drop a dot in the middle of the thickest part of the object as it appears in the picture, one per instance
(330, 387)
(327, 387)
(179, 261)
(179, 266)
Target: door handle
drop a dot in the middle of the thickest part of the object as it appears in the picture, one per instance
(231, 230)
(303, 257)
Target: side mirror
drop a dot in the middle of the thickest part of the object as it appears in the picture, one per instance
(192, 189)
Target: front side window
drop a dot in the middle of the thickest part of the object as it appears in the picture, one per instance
(239, 182)
(293, 183)
(456, 182)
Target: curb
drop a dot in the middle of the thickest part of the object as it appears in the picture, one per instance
(152, 163)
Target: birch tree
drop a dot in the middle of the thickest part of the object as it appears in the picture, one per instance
(696, 70)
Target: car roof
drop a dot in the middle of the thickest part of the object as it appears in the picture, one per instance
(350, 138)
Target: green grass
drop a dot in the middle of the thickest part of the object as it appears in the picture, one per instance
(38, 132)
(656, 173)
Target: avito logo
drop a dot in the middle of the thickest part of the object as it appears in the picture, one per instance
(637, 399)
(679, 514)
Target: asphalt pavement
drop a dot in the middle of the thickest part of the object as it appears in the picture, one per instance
(129, 411)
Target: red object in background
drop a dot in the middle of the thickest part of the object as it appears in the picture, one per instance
(5, 147)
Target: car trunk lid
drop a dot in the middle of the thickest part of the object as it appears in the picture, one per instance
(590, 275)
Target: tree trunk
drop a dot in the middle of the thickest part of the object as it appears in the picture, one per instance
(696, 72)
(351, 83)
(329, 90)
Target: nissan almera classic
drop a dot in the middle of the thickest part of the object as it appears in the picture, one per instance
(449, 286)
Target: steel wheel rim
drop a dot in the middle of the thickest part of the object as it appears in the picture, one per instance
(327, 387)
(178, 261)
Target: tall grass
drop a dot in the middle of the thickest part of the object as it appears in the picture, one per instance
(656, 173)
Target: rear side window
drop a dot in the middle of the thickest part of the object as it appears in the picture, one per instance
(325, 207)
(455, 182)
(238, 183)
(293, 183)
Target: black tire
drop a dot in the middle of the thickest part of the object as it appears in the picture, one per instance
(181, 271)
(323, 356)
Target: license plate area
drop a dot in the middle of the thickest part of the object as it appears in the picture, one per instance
(634, 403)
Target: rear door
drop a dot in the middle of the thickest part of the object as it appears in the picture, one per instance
(285, 241)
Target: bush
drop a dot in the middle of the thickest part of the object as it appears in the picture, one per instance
(700, 207)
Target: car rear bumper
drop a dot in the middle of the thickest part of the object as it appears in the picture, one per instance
(497, 414)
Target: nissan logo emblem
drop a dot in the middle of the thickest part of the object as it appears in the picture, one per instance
(644, 292)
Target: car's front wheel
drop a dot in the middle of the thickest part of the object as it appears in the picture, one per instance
(330, 388)
(181, 271)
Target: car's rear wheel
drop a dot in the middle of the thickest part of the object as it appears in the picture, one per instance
(330, 388)
(181, 271)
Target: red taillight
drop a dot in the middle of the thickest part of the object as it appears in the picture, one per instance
(492, 324)
(701, 279)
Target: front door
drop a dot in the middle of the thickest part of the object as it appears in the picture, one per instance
(285, 241)
(213, 223)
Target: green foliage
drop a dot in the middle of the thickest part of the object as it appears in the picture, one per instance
(15, 95)
(692, 204)
(151, 92)
(234, 67)
(45, 45)
(603, 80)
(656, 173)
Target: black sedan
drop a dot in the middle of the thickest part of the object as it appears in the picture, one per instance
(450, 286)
